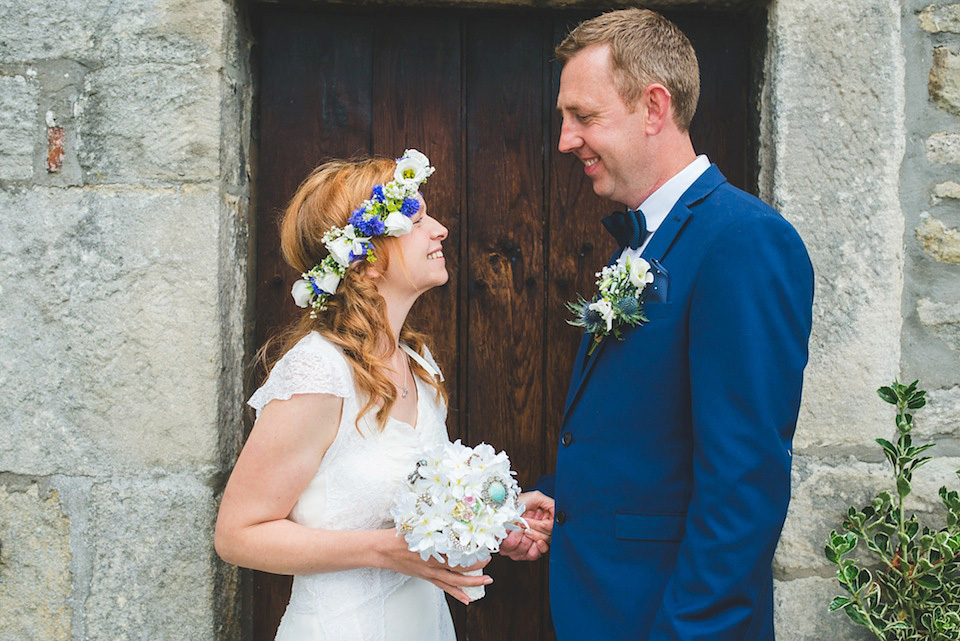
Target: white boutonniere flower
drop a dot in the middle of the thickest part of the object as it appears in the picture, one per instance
(618, 302)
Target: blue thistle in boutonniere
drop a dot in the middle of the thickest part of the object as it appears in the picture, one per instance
(619, 301)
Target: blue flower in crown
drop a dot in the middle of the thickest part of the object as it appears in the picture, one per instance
(409, 207)
(366, 247)
(378, 194)
(367, 225)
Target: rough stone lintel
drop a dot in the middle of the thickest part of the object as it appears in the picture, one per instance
(539, 4)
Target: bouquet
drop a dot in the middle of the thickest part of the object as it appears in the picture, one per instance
(458, 506)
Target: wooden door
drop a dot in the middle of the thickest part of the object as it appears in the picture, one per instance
(475, 91)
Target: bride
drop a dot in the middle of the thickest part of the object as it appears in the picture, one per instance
(344, 412)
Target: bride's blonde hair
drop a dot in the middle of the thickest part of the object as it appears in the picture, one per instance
(356, 317)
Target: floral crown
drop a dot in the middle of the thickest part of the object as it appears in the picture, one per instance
(386, 213)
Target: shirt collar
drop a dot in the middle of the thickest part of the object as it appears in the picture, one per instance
(658, 204)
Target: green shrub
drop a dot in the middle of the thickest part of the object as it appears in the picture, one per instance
(913, 589)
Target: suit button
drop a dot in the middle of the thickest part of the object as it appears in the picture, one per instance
(566, 439)
(561, 517)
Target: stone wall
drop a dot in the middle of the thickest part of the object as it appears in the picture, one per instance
(860, 151)
(124, 130)
(123, 218)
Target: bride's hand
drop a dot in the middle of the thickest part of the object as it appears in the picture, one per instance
(398, 558)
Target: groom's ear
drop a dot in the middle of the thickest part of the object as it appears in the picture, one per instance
(655, 103)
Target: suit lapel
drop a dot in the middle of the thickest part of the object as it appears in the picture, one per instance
(661, 242)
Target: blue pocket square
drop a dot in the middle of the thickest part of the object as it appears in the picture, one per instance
(658, 291)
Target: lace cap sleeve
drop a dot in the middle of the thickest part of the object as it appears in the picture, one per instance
(312, 366)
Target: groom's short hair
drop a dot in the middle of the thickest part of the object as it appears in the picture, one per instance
(645, 48)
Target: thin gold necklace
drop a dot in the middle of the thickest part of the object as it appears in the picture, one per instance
(403, 388)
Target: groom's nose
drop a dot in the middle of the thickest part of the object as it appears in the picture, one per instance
(569, 139)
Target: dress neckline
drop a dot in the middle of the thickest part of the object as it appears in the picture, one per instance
(416, 422)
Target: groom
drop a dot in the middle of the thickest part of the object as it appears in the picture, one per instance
(673, 470)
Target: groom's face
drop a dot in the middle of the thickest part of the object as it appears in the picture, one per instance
(600, 129)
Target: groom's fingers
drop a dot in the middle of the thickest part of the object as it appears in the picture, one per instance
(515, 546)
(540, 529)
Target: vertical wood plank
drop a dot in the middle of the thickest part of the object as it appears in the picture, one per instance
(720, 127)
(314, 103)
(505, 66)
(416, 103)
(578, 247)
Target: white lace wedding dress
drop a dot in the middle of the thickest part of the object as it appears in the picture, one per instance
(353, 489)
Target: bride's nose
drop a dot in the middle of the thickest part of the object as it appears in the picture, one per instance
(440, 232)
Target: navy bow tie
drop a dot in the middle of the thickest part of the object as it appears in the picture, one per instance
(629, 227)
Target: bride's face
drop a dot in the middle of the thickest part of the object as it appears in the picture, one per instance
(421, 265)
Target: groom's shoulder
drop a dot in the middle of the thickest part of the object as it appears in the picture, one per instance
(738, 203)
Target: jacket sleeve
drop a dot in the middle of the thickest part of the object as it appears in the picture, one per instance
(544, 484)
(750, 318)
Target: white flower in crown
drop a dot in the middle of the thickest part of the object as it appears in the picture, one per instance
(344, 242)
(398, 224)
(328, 282)
(302, 293)
(413, 168)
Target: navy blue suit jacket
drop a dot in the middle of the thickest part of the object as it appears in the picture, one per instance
(673, 469)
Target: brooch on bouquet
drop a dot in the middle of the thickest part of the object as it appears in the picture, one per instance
(618, 302)
(458, 505)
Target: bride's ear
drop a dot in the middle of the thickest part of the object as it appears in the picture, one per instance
(371, 271)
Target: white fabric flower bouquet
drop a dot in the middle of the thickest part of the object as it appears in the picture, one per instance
(458, 506)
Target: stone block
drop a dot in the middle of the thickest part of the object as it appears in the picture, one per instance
(35, 577)
(152, 124)
(174, 31)
(821, 494)
(18, 127)
(938, 241)
(940, 18)
(941, 416)
(943, 148)
(834, 151)
(949, 190)
(152, 552)
(942, 318)
(800, 612)
(110, 351)
(823, 491)
(944, 83)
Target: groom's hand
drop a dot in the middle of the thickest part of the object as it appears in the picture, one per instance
(532, 543)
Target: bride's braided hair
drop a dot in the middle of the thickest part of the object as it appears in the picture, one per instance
(356, 317)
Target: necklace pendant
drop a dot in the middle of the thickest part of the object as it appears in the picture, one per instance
(404, 391)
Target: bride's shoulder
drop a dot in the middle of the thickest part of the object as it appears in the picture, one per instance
(314, 365)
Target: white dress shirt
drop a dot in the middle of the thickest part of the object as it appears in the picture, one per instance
(658, 204)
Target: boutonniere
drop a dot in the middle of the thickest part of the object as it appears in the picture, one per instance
(618, 302)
